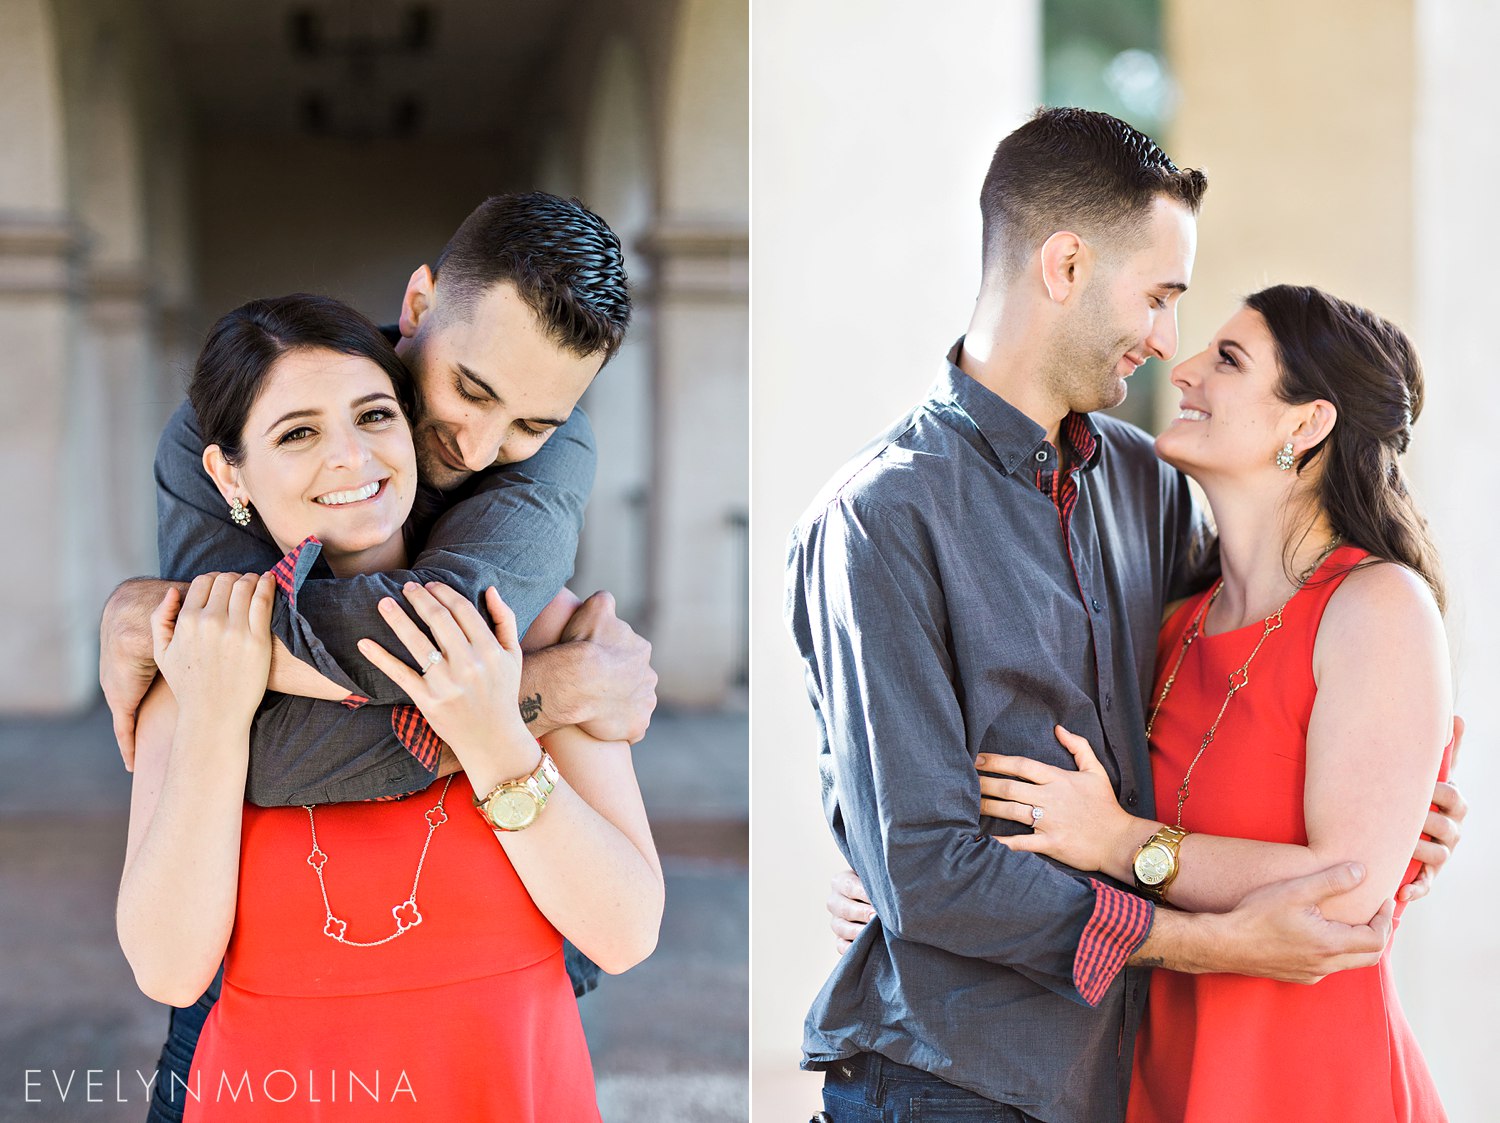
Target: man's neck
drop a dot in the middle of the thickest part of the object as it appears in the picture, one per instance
(995, 359)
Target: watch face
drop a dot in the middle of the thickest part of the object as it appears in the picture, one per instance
(1153, 864)
(512, 809)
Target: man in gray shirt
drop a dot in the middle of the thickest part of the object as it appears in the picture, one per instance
(523, 307)
(993, 564)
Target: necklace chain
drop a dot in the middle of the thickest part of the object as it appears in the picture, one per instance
(1238, 678)
(406, 914)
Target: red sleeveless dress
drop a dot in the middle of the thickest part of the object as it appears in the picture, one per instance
(468, 1016)
(1232, 1049)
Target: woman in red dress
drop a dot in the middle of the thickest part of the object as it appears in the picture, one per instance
(1301, 709)
(393, 960)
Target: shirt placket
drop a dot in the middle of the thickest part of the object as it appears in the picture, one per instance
(1062, 486)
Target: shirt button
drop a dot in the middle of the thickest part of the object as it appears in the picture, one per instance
(1097, 606)
(1041, 456)
(1130, 799)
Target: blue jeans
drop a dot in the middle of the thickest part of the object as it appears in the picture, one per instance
(868, 1088)
(176, 1059)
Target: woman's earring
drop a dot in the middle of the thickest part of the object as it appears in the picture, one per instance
(1284, 458)
(239, 513)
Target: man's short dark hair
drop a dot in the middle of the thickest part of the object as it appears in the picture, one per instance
(563, 259)
(1078, 170)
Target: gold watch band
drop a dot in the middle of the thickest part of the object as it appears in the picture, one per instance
(1168, 842)
(536, 785)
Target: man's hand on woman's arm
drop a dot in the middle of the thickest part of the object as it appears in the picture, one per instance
(1276, 932)
(586, 667)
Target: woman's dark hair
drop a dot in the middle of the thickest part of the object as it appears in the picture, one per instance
(246, 343)
(1366, 366)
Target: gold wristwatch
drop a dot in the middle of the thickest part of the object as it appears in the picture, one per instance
(513, 805)
(1156, 863)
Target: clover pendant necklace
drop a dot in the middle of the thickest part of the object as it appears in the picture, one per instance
(406, 914)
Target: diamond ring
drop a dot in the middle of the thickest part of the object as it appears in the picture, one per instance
(432, 660)
(1036, 814)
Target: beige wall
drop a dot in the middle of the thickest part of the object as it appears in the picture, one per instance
(873, 128)
(1302, 114)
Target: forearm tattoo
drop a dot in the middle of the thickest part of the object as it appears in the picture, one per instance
(531, 708)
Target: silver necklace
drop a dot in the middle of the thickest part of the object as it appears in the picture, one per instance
(406, 914)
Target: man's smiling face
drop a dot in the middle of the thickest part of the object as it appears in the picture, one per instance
(493, 384)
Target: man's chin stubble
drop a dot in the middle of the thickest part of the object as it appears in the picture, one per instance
(434, 473)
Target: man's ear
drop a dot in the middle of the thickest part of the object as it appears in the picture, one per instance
(1066, 261)
(226, 476)
(417, 301)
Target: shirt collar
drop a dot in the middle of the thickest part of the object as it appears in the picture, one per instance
(1015, 438)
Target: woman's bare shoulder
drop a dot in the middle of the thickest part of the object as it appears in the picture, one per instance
(1381, 605)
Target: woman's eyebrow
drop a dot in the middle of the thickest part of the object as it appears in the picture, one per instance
(292, 415)
(378, 395)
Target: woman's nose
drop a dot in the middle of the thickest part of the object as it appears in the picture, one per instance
(1185, 373)
(347, 449)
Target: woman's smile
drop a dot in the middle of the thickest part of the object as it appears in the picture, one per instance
(375, 489)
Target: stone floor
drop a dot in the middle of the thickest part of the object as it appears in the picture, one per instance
(668, 1038)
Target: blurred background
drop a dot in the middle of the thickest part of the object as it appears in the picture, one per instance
(166, 160)
(1347, 146)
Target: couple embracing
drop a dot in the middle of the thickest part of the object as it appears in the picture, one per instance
(1070, 734)
(360, 525)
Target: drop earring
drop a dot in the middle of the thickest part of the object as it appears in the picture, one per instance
(239, 512)
(1284, 458)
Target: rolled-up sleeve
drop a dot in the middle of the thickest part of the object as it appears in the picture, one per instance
(866, 607)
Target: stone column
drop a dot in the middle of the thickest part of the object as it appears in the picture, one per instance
(1448, 946)
(700, 267)
(45, 644)
(699, 592)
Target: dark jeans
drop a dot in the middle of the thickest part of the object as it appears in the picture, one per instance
(869, 1088)
(169, 1094)
(186, 1024)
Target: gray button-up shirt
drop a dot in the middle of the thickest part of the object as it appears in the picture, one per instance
(942, 612)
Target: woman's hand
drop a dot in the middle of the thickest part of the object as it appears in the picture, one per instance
(1082, 823)
(213, 644)
(468, 695)
(849, 909)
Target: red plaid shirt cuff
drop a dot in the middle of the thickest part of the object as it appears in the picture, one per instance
(1120, 924)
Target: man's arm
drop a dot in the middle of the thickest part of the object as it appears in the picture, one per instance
(868, 614)
(1276, 932)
